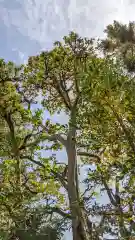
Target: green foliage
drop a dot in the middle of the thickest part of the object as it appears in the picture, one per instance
(97, 97)
(120, 40)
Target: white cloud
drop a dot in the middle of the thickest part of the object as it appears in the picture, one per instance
(46, 21)
(22, 56)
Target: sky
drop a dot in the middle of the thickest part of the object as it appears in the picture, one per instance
(30, 26)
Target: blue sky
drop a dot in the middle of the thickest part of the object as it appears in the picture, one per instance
(28, 26)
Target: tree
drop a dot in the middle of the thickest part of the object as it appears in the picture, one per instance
(20, 186)
(97, 96)
(108, 112)
(92, 92)
(120, 41)
(56, 74)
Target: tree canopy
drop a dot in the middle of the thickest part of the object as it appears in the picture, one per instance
(41, 195)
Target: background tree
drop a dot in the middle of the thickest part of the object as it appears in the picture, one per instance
(110, 144)
(120, 41)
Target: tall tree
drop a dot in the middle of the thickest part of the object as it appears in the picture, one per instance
(57, 75)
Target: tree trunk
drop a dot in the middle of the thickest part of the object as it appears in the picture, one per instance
(80, 226)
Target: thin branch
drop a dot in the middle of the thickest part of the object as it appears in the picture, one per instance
(63, 87)
(59, 211)
(127, 133)
(109, 192)
(89, 188)
(32, 160)
(62, 93)
(32, 144)
(57, 176)
(117, 196)
(57, 85)
(27, 137)
(91, 155)
(55, 137)
(75, 78)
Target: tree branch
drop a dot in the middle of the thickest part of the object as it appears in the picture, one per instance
(27, 137)
(57, 176)
(109, 192)
(62, 85)
(59, 211)
(8, 118)
(91, 155)
(55, 137)
(63, 94)
(15, 149)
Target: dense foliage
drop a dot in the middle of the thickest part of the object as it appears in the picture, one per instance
(41, 196)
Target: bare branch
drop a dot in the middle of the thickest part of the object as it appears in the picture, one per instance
(109, 192)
